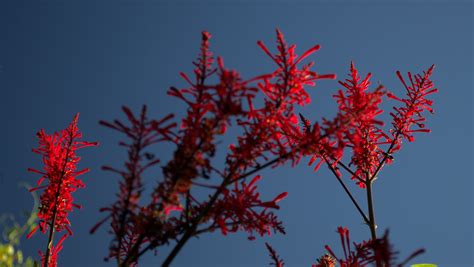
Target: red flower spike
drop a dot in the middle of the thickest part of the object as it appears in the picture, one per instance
(410, 114)
(273, 128)
(58, 153)
(357, 127)
(364, 135)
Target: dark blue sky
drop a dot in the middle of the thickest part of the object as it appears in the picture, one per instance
(62, 57)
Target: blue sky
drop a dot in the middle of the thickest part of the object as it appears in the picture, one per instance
(62, 57)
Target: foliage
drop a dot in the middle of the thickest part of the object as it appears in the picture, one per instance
(10, 253)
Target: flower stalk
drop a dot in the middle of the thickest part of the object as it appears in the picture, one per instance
(58, 153)
(56, 204)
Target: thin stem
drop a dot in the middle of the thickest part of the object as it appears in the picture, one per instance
(214, 227)
(350, 171)
(265, 165)
(186, 210)
(354, 201)
(372, 225)
(275, 160)
(370, 205)
(134, 251)
(55, 211)
(50, 242)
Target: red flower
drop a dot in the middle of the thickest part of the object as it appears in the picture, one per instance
(360, 107)
(290, 79)
(273, 128)
(210, 109)
(59, 157)
(410, 114)
(58, 153)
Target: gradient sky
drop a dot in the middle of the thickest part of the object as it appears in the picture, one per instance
(62, 57)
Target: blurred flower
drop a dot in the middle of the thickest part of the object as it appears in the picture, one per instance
(124, 212)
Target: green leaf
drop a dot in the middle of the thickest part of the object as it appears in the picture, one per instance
(424, 265)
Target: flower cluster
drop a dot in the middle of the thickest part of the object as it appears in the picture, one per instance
(273, 127)
(358, 128)
(361, 107)
(267, 130)
(197, 196)
(201, 192)
(58, 153)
